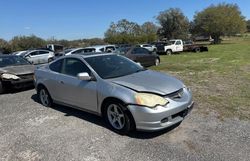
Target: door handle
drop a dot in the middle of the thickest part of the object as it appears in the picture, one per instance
(61, 82)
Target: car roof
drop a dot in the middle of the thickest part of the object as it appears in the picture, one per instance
(87, 55)
(99, 46)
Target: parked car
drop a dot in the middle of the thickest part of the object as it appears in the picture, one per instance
(149, 47)
(141, 55)
(38, 56)
(79, 50)
(102, 48)
(15, 72)
(116, 88)
(18, 52)
(191, 46)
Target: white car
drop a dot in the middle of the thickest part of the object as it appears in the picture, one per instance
(38, 56)
(18, 52)
(102, 48)
(148, 46)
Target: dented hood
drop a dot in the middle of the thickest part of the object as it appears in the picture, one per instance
(18, 70)
(149, 81)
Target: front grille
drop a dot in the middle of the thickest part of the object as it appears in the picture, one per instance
(176, 95)
(26, 76)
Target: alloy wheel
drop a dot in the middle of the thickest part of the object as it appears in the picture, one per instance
(44, 97)
(116, 116)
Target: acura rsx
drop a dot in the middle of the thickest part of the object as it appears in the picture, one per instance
(127, 95)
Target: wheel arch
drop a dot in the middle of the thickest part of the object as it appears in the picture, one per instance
(114, 99)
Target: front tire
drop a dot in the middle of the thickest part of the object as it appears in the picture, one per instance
(169, 52)
(1, 87)
(157, 61)
(44, 97)
(118, 118)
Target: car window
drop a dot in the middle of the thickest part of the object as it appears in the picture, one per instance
(56, 66)
(112, 66)
(110, 48)
(41, 52)
(33, 53)
(140, 51)
(78, 51)
(178, 43)
(88, 50)
(73, 66)
(146, 45)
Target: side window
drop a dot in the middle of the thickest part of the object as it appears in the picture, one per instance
(146, 45)
(41, 52)
(102, 49)
(33, 53)
(77, 51)
(56, 66)
(140, 51)
(73, 66)
(178, 43)
(110, 48)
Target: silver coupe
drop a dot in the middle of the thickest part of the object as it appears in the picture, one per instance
(127, 95)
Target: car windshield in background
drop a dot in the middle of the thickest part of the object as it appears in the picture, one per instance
(112, 66)
(12, 61)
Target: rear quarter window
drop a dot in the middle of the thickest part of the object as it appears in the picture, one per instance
(56, 66)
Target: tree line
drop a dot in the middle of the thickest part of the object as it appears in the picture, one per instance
(215, 21)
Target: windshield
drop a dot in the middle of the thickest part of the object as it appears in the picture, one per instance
(172, 42)
(12, 61)
(112, 66)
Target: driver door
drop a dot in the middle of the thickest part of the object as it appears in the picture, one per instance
(74, 91)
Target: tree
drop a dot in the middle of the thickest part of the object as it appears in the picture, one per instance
(26, 42)
(173, 24)
(149, 32)
(216, 21)
(123, 31)
(4, 46)
(248, 26)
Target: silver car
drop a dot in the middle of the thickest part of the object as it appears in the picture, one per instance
(116, 88)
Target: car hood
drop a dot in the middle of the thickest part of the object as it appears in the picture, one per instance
(18, 70)
(149, 81)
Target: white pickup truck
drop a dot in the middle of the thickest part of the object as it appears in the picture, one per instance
(172, 46)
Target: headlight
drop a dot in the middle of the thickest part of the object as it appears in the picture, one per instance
(150, 100)
(9, 76)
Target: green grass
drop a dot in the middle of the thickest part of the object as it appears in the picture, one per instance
(219, 78)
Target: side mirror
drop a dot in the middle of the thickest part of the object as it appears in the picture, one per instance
(84, 76)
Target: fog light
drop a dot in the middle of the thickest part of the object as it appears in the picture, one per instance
(164, 120)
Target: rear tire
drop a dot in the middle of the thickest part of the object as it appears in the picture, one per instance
(157, 61)
(1, 87)
(118, 118)
(44, 97)
(197, 50)
(169, 52)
